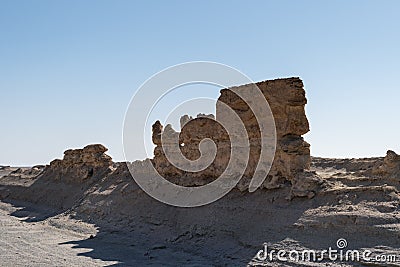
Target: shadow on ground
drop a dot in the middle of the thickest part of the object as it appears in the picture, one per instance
(136, 230)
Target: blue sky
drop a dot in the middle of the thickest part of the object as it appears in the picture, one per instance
(68, 69)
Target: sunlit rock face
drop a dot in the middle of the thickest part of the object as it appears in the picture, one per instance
(389, 167)
(286, 98)
(80, 164)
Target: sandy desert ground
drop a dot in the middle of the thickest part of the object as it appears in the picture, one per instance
(28, 243)
(109, 221)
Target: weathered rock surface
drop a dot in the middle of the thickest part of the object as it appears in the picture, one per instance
(287, 100)
(80, 164)
(63, 182)
(27, 173)
(389, 167)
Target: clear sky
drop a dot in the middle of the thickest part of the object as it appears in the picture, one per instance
(68, 69)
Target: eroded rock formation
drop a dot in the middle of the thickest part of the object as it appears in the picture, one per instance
(287, 100)
(389, 167)
(80, 164)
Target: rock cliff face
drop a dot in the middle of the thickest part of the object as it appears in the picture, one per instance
(80, 164)
(287, 100)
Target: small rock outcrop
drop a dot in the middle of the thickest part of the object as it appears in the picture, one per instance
(287, 101)
(389, 167)
(80, 164)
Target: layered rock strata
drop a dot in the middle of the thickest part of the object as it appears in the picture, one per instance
(286, 98)
(80, 164)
